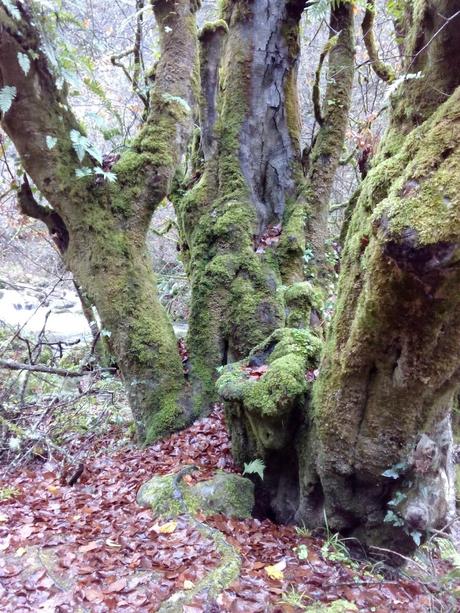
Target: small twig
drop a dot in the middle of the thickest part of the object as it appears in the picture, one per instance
(398, 554)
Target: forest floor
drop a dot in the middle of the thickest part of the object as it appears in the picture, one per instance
(90, 547)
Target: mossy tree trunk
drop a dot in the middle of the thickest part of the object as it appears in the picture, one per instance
(382, 438)
(243, 217)
(101, 228)
(280, 188)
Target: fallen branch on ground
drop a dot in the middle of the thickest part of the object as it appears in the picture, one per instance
(61, 372)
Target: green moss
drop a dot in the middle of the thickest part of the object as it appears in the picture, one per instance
(280, 386)
(210, 27)
(300, 299)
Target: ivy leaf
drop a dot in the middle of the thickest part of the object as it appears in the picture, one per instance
(255, 467)
(24, 62)
(7, 95)
(84, 172)
(79, 143)
(51, 141)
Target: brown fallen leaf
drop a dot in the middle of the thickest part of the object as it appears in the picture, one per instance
(89, 547)
(116, 586)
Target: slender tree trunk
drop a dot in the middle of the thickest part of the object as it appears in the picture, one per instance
(102, 227)
(324, 157)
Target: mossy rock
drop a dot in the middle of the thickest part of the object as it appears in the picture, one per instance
(226, 493)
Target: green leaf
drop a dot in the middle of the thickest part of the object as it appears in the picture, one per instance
(82, 145)
(416, 537)
(51, 141)
(79, 143)
(84, 172)
(111, 177)
(7, 95)
(392, 518)
(391, 474)
(397, 499)
(24, 62)
(94, 152)
(302, 552)
(256, 467)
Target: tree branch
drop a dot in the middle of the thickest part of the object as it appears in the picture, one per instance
(39, 114)
(49, 370)
(316, 93)
(53, 221)
(382, 70)
(61, 372)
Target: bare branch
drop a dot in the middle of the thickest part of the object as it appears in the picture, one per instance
(49, 370)
(61, 372)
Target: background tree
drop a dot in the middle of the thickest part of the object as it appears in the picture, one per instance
(103, 224)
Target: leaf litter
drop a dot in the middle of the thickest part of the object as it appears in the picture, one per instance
(91, 547)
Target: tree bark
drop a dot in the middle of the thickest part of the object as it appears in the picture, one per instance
(105, 224)
(265, 413)
(391, 365)
(324, 157)
(242, 223)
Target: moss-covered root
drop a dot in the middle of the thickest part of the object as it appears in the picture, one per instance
(168, 496)
(217, 580)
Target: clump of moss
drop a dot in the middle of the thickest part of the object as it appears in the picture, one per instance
(288, 354)
(300, 299)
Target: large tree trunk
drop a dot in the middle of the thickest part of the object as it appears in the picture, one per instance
(371, 449)
(265, 415)
(101, 227)
(391, 366)
(248, 187)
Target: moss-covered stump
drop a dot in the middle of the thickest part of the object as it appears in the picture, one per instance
(266, 400)
(226, 493)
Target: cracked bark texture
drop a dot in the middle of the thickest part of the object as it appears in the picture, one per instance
(391, 366)
(249, 184)
(105, 225)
